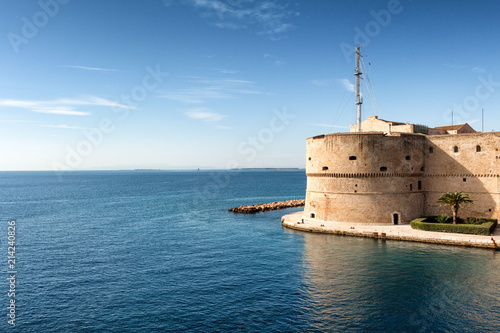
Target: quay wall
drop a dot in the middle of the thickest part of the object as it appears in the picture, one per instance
(392, 178)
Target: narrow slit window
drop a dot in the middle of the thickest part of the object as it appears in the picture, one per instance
(419, 185)
(411, 187)
(431, 150)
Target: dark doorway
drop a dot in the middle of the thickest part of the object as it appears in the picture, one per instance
(395, 218)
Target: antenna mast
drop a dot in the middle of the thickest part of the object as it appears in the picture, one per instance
(359, 99)
(482, 120)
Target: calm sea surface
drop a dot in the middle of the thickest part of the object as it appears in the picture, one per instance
(157, 252)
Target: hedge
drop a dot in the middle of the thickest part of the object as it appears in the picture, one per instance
(485, 229)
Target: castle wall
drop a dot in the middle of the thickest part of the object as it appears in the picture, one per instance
(373, 124)
(369, 177)
(365, 177)
(406, 128)
(436, 131)
(466, 162)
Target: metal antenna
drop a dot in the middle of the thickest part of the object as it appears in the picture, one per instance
(359, 100)
(482, 120)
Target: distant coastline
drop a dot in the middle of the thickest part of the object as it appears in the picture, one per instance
(269, 169)
(234, 169)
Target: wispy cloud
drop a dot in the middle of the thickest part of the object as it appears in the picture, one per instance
(320, 82)
(42, 124)
(60, 110)
(17, 121)
(476, 69)
(274, 59)
(62, 106)
(204, 89)
(92, 68)
(63, 126)
(270, 17)
(204, 114)
(225, 71)
(222, 127)
(347, 84)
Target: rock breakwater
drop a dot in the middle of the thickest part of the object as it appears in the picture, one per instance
(251, 209)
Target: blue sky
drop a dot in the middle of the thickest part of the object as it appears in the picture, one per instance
(230, 83)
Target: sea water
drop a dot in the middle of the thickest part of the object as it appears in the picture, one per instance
(157, 251)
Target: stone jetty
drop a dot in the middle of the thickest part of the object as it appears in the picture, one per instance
(251, 209)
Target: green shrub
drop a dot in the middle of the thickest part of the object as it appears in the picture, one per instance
(487, 220)
(485, 228)
(472, 220)
(442, 218)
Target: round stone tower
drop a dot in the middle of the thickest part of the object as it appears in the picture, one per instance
(365, 177)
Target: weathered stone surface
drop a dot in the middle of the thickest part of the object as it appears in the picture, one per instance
(393, 178)
(251, 209)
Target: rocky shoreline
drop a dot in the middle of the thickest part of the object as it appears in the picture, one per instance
(251, 209)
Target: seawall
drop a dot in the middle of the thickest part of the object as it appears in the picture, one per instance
(297, 221)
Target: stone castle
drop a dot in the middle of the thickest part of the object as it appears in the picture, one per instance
(392, 172)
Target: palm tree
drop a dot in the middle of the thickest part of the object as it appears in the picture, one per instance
(454, 200)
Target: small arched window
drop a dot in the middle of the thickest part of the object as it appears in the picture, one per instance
(455, 149)
(478, 148)
(383, 169)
